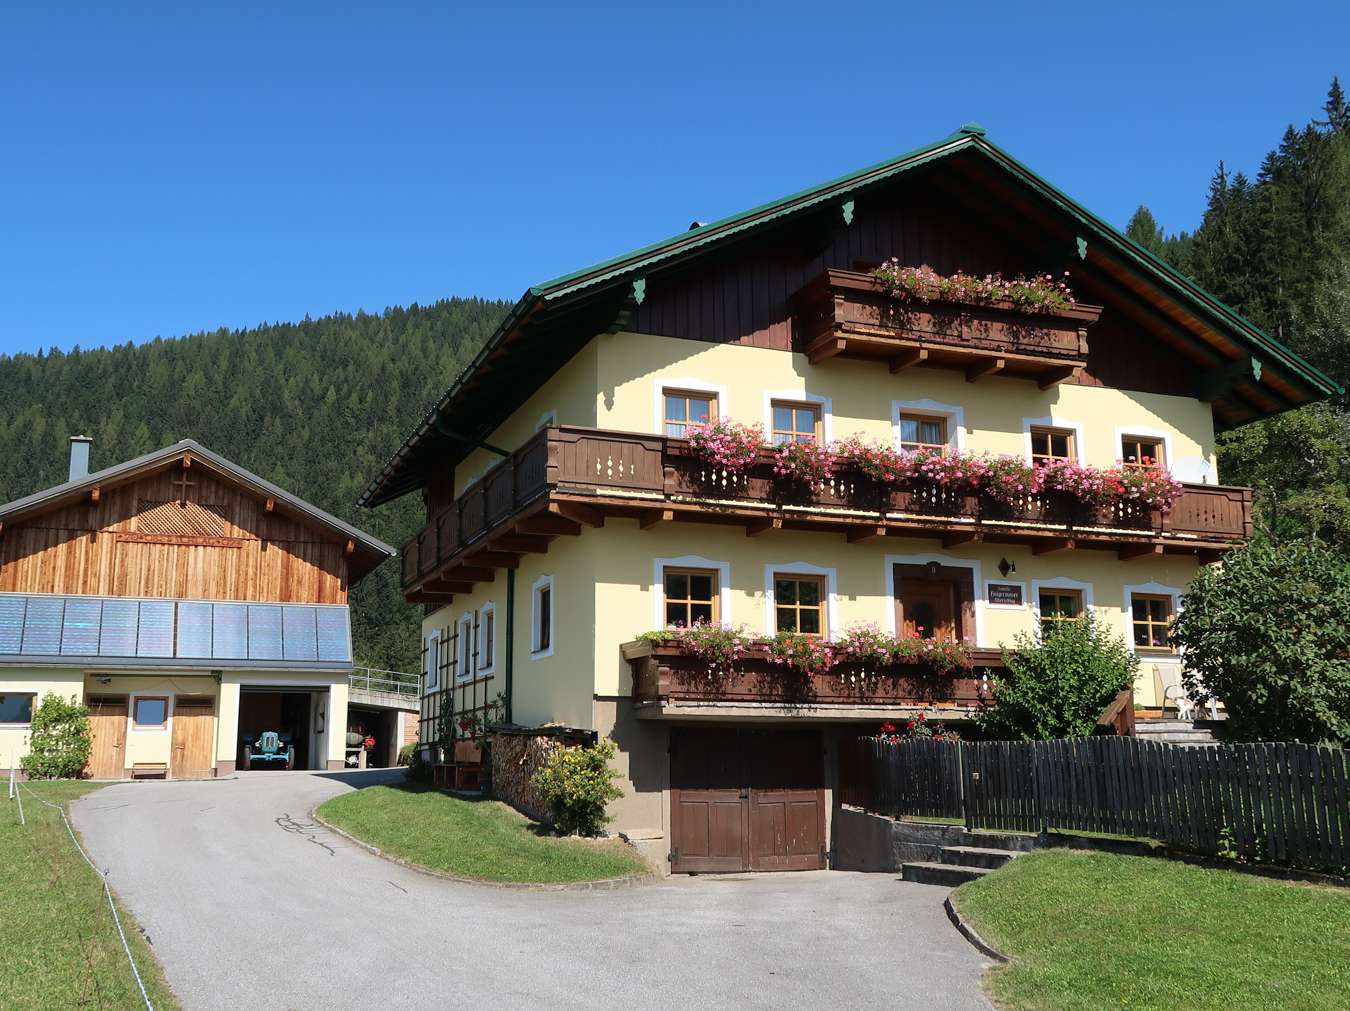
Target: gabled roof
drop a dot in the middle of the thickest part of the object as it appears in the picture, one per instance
(371, 550)
(628, 274)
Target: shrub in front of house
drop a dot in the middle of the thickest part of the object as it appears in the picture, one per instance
(58, 739)
(1055, 684)
(577, 785)
(1268, 634)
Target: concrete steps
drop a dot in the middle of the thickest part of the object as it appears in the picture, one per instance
(976, 856)
(1173, 732)
(959, 864)
(947, 875)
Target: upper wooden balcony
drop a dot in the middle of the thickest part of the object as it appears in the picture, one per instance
(565, 478)
(847, 313)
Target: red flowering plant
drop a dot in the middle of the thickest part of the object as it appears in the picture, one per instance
(727, 445)
(955, 470)
(865, 645)
(719, 646)
(809, 462)
(806, 654)
(1010, 480)
(1149, 487)
(1037, 293)
(883, 464)
(1090, 486)
(942, 656)
(917, 728)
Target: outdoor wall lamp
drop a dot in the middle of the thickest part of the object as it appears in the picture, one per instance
(1005, 566)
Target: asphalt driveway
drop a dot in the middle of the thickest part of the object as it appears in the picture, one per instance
(249, 903)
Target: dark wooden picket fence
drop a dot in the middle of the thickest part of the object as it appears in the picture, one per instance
(1277, 803)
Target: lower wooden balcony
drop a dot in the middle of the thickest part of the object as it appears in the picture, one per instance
(670, 682)
(565, 479)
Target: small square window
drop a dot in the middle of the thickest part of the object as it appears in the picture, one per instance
(1141, 451)
(799, 603)
(684, 409)
(1151, 620)
(794, 422)
(1059, 606)
(16, 707)
(691, 597)
(151, 711)
(1051, 444)
(923, 432)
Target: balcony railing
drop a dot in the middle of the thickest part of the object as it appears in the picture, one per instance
(657, 478)
(843, 312)
(666, 672)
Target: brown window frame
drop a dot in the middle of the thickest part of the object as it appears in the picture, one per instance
(1170, 602)
(543, 619)
(714, 601)
(820, 607)
(1060, 592)
(795, 434)
(1050, 433)
(674, 392)
(1158, 445)
(487, 633)
(919, 417)
(136, 723)
(32, 708)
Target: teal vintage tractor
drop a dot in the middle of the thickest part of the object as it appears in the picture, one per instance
(271, 748)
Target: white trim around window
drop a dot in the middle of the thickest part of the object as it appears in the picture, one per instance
(536, 652)
(132, 726)
(432, 673)
(487, 644)
(1076, 427)
(723, 570)
(954, 413)
(826, 405)
(804, 569)
(1156, 590)
(659, 386)
(957, 563)
(1169, 458)
(464, 644)
(1059, 583)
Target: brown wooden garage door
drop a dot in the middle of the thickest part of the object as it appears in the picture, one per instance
(746, 800)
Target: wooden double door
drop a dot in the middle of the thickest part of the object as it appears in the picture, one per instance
(191, 744)
(746, 800)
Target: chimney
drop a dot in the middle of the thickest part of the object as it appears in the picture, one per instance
(79, 457)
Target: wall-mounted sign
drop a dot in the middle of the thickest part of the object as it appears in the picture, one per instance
(1005, 594)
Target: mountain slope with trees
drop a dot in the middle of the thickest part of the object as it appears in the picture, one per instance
(316, 407)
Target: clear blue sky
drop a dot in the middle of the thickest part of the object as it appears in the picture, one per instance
(165, 170)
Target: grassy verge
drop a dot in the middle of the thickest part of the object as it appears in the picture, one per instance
(58, 945)
(1095, 930)
(481, 839)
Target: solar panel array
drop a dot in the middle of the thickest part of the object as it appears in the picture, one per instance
(119, 628)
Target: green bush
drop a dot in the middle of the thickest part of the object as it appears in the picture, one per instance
(419, 769)
(405, 753)
(577, 784)
(1057, 684)
(1267, 633)
(58, 739)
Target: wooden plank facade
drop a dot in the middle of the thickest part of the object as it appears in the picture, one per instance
(156, 537)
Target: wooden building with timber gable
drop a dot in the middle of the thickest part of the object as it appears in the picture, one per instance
(570, 521)
(189, 603)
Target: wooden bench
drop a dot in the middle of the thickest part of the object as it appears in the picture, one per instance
(150, 770)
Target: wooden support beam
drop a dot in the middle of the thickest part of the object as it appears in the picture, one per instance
(1049, 547)
(655, 516)
(855, 535)
(469, 573)
(1052, 377)
(756, 527)
(94, 493)
(549, 525)
(902, 361)
(423, 597)
(519, 543)
(446, 586)
(957, 538)
(479, 555)
(984, 367)
(823, 350)
(350, 547)
(187, 459)
(270, 505)
(1139, 551)
(578, 513)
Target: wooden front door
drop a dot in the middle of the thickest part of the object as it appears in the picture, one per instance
(108, 734)
(746, 800)
(194, 737)
(935, 602)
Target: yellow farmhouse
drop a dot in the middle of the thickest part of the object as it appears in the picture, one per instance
(572, 523)
(193, 606)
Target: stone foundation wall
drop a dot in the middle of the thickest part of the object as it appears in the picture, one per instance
(517, 755)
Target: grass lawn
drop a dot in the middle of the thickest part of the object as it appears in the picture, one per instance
(482, 839)
(1095, 930)
(58, 945)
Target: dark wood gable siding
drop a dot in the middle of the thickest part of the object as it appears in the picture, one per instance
(742, 296)
(140, 540)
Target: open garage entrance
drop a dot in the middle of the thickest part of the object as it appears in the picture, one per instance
(366, 723)
(291, 713)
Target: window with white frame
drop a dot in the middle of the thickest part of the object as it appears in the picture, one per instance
(431, 661)
(541, 620)
(487, 638)
(464, 669)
